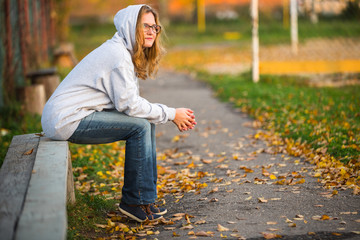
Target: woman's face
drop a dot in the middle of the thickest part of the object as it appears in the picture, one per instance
(149, 33)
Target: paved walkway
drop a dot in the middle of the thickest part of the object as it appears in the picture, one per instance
(240, 195)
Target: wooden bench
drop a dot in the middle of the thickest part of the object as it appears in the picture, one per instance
(36, 183)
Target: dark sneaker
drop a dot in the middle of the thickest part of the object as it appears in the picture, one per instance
(157, 210)
(140, 213)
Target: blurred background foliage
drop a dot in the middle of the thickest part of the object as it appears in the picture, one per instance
(223, 47)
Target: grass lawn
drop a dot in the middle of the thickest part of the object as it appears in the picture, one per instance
(323, 118)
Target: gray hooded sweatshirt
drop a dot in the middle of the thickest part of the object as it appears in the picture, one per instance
(104, 79)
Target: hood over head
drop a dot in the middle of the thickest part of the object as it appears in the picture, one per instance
(125, 22)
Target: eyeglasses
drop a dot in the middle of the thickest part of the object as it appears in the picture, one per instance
(154, 28)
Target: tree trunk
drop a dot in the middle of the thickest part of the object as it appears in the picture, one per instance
(50, 83)
(32, 98)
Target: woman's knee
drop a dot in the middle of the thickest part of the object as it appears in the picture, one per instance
(142, 125)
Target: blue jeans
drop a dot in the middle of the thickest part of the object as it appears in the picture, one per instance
(140, 174)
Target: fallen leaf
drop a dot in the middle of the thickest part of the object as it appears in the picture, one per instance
(262, 200)
(336, 234)
(203, 234)
(222, 228)
(271, 223)
(29, 152)
(169, 228)
(214, 190)
(272, 177)
(273, 229)
(176, 138)
(200, 222)
(238, 236)
(206, 161)
(271, 235)
(101, 225)
(187, 227)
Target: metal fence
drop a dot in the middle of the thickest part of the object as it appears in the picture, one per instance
(27, 36)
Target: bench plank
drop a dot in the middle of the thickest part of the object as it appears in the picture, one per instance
(15, 174)
(44, 213)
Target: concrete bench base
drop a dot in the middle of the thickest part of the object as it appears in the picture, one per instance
(36, 182)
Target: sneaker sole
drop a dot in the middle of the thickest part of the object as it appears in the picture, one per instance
(162, 213)
(136, 218)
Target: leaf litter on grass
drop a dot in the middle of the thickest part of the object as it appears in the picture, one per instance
(99, 170)
(319, 125)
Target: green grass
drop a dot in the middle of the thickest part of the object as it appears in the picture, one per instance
(322, 117)
(98, 188)
(87, 211)
(13, 122)
(271, 31)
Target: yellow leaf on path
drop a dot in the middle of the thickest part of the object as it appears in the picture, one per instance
(222, 228)
(336, 234)
(176, 138)
(187, 227)
(191, 165)
(273, 229)
(300, 181)
(216, 189)
(288, 221)
(200, 222)
(262, 200)
(203, 234)
(248, 198)
(206, 161)
(272, 177)
(316, 217)
(271, 235)
(325, 217)
(271, 223)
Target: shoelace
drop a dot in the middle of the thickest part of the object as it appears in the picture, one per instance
(146, 209)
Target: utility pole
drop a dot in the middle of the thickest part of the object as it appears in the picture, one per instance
(201, 15)
(294, 26)
(255, 40)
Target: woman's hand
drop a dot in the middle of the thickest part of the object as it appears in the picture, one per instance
(184, 119)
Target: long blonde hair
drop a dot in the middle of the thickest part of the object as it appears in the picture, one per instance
(146, 60)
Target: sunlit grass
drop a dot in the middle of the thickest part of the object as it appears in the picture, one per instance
(321, 117)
